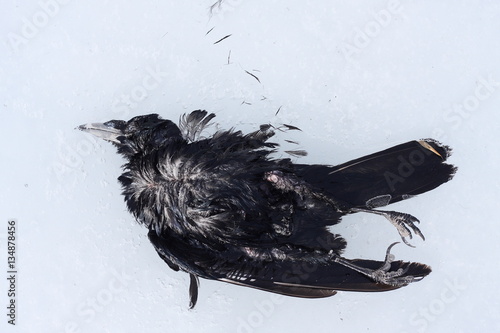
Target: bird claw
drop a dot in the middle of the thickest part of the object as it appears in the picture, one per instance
(395, 278)
(383, 275)
(403, 223)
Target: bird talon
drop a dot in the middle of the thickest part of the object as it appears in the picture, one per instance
(395, 278)
(388, 254)
(403, 223)
(406, 242)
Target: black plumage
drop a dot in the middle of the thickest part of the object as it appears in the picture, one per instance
(220, 207)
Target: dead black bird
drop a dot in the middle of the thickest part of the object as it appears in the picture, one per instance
(222, 208)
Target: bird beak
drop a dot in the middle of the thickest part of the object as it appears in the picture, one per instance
(109, 131)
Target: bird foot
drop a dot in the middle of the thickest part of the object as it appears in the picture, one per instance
(395, 278)
(382, 275)
(402, 221)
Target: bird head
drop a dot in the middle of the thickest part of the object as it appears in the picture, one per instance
(140, 134)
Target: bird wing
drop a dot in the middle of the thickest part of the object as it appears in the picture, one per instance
(296, 272)
(310, 276)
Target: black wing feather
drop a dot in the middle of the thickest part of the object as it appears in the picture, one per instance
(300, 273)
(194, 283)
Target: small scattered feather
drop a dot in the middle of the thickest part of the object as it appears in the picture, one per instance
(253, 75)
(220, 40)
(296, 153)
(209, 31)
(291, 127)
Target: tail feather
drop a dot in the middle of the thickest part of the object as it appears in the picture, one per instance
(384, 177)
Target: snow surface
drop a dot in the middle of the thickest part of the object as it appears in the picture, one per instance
(356, 77)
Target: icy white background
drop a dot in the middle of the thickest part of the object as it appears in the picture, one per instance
(355, 77)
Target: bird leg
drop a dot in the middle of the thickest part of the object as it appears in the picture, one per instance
(400, 220)
(382, 274)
